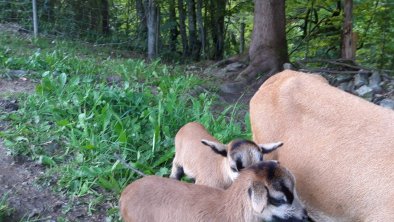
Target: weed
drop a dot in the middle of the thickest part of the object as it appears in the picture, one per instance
(5, 210)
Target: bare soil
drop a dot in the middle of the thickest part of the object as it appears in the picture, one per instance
(19, 177)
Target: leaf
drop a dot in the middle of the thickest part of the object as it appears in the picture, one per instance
(89, 146)
(63, 122)
(164, 158)
(46, 161)
(84, 189)
(163, 171)
(122, 137)
(63, 79)
(105, 183)
(21, 138)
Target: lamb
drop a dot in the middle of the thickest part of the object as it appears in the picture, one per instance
(264, 191)
(339, 147)
(218, 168)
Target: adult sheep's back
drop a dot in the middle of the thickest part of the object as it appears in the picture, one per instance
(339, 147)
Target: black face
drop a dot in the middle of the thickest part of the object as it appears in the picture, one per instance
(239, 164)
(281, 187)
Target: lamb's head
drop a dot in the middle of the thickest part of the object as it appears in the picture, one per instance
(272, 193)
(241, 153)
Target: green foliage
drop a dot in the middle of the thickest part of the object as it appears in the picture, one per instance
(314, 30)
(5, 210)
(76, 121)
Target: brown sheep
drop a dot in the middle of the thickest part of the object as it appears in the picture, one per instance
(339, 147)
(218, 168)
(264, 191)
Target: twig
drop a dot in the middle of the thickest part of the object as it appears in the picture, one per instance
(334, 71)
(119, 158)
(334, 62)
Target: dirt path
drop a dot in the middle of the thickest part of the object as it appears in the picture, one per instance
(18, 177)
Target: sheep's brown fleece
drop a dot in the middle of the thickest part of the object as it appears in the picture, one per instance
(339, 147)
(154, 198)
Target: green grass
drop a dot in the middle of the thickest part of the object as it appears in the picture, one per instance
(76, 121)
(5, 210)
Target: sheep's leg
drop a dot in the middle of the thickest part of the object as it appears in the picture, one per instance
(176, 172)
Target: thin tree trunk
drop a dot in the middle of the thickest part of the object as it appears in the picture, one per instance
(206, 28)
(152, 28)
(347, 47)
(49, 7)
(173, 29)
(218, 8)
(242, 38)
(212, 20)
(142, 25)
(157, 30)
(194, 48)
(182, 27)
(105, 16)
(200, 25)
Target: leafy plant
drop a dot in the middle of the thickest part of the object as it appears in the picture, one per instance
(5, 210)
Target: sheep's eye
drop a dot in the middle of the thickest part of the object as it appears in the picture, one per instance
(276, 201)
(234, 169)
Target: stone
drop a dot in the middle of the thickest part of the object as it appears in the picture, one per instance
(235, 66)
(387, 103)
(287, 66)
(360, 79)
(344, 86)
(364, 91)
(233, 87)
(374, 82)
(343, 78)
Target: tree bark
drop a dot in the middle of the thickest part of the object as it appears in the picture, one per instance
(105, 16)
(173, 29)
(194, 48)
(152, 28)
(142, 25)
(182, 27)
(268, 49)
(200, 24)
(348, 46)
(218, 9)
(242, 38)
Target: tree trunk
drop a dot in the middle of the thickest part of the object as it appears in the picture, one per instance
(182, 27)
(218, 9)
(200, 25)
(105, 16)
(268, 49)
(242, 38)
(348, 48)
(173, 29)
(152, 28)
(142, 25)
(194, 50)
(49, 7)
(158, 15)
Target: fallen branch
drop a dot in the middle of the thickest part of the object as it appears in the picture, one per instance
(334, 71)
(127, 165)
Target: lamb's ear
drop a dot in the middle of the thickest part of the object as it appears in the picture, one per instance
(258, 196)
(216, 147)
(269, 147)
